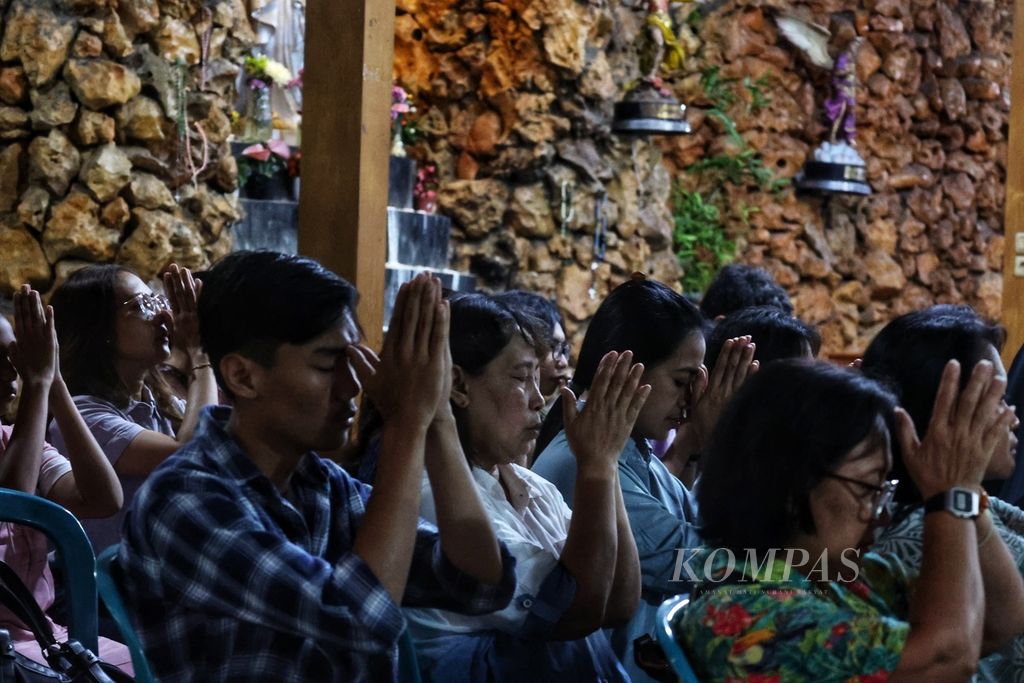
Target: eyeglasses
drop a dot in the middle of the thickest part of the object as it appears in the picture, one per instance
(881, 495)
(147, 306)
(561, 350)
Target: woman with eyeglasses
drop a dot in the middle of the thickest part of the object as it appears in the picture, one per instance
(114, 333)
(908, 355)
(796, 482)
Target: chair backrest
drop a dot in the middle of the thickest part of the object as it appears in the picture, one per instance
(667, 615)
(115, 605)
(74, 553)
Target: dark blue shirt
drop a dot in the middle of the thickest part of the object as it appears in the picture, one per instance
(229, 580)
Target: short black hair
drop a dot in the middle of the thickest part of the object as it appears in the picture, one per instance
(739, 285)
(787, 427)
(536, 306)
(482, 326)
(775, 333)
(909, 356)
(252, 302)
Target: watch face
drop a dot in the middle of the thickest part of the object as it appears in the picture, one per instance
(963, 501)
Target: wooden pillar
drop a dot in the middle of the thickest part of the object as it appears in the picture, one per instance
(1013, 285)
(345, 145)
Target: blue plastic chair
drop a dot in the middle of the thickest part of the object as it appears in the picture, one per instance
(408, 666)
(115, 605)
(74, 553)
(667, 615)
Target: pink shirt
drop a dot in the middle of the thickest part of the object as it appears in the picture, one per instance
(25, 550)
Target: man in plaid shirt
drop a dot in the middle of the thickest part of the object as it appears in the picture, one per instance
(248, 557)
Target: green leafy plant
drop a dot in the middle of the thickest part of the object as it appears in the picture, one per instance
(703, 243)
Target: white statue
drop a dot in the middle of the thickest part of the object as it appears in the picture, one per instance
(281, 30)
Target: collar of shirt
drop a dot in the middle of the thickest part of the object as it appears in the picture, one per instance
(491, 485)
(226, 451)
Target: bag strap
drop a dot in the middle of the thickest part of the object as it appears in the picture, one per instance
(18, 598)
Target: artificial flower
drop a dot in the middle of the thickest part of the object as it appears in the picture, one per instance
(277, 72)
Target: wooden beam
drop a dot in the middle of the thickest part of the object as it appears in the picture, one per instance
(1013, 286)
(345, 145)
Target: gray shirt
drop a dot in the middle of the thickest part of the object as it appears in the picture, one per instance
(114, 428)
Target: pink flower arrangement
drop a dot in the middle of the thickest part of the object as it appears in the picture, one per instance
(261, 151)
(264, 158)
(425, 190)
(399, 102)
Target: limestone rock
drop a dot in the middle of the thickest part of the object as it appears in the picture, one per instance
(12, 118)
(53, 161)
(159, 239)
(476, 206)
(574, 292)
(175, 39)
(105, 171)
(565, 29)
(484, 134)
(213, 211)
(94, 128)
(529, 212)
(115, 40)
(226, 175)
(954, 99)
(87, 45)
(149, 192)
(115, 215)
(597, 82)
(988, 296)
(38, 37)
(100, 83)
(885, 276)
(23, 261)
(142, 118)
(813, 304)
(960, 189)
(52, 107)
(953, 38)
(32, 207)
(74, 230)
(13, 85)
(10, 174)
(139, 16)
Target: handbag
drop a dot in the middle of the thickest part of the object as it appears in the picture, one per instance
(69, 662)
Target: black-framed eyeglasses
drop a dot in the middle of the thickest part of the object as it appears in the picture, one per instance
(561, 350)
(881, 495)
(147, 306)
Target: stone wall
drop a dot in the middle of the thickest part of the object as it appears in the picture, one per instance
(516, 97)
(92, 163)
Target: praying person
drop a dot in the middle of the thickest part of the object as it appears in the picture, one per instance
(247, 556)
(114, 333)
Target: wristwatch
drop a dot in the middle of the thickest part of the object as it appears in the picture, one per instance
(959, 502)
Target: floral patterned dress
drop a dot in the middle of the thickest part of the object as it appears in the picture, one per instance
(783, 627)
(905, 540)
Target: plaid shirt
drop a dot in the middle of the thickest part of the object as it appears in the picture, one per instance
(228, 580)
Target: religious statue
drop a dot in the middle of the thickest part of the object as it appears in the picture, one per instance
(650, 107)
(280, 29)
(836, 166)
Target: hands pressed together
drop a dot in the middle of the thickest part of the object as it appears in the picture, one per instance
(735, 363)
(35, 353)
(411, 379)
(598, 433)
(962, 434)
